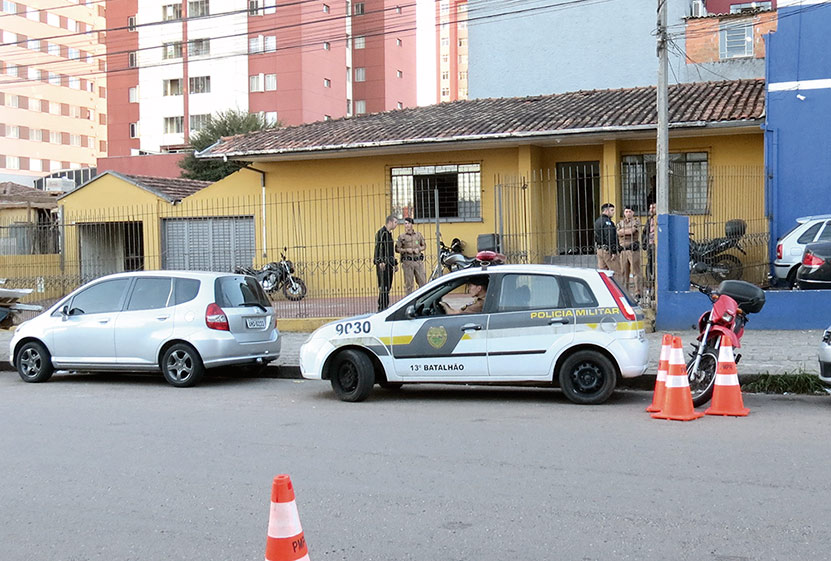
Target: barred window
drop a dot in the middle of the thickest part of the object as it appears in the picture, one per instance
(199, 47)
(198, 8)
(459, 192)
(172, 50)
(688, 182)
(735, 39)
(199, 122)
(174, 125)
(199, 84)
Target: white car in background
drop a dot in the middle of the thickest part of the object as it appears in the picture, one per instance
(791, 246)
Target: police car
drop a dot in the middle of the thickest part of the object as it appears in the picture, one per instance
(537, 324)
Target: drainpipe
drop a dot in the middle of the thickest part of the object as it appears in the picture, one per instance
(262, 186)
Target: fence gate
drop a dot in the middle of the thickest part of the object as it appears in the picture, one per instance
(208, 244)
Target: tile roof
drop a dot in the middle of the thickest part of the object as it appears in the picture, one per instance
(694, 104)
(14, 194)
(170, 188)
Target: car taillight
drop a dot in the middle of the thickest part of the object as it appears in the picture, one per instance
(620, 299)
(811, 260)
(215, 318)
(779, 250)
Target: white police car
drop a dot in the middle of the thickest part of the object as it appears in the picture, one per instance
(540, 324)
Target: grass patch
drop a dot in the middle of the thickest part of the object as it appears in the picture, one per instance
(798, 383)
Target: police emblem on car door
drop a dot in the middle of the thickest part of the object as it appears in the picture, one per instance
(431, 345)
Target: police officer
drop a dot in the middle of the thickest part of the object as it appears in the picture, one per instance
(476, 287)
(411, 246)
(385, 263)
(629, 237)
(605, 239)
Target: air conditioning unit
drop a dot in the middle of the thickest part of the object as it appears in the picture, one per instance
(698, 9)
(60, 184)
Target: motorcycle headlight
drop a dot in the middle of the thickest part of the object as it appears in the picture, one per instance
(727, 317)
(291, 266)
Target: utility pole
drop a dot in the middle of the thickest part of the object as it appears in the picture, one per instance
(662, 163)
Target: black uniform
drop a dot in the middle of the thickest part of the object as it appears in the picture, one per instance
(605, 233)
(384, 253)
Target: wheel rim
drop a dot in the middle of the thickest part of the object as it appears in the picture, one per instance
(348, 377)
(294, 289)
(701, 379)
(179, 365)
(30, 362)
(587, 378)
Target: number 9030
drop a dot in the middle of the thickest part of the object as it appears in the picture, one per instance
(352, 327)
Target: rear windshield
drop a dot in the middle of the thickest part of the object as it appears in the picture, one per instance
(237, 291)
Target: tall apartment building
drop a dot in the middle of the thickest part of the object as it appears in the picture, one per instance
(451, 50)
(172, 64)
(52, 88)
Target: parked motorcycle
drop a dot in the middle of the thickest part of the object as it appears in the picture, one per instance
(710, 256)
(278, 276)
(732, 301)
(453, 259)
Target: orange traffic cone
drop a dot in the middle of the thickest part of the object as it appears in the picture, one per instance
(659, 394)
(727, 394)
(678, 405)
(285, 536)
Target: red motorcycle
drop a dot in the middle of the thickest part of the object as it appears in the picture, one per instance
(732, 301)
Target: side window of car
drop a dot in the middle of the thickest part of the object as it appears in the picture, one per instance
(100, 298)
(581, 295)
(150, 294)
(185, 290)
(825, 236)
(809, 234)
(529, 292)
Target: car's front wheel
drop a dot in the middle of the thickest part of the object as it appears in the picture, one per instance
(587, 377)
(182, 366)
(34, 364)
(352, 375)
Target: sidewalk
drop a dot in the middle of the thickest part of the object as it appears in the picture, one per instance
(763, 352)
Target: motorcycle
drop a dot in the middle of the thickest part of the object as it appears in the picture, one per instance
(710, 256)
(732, 301)
(278, 276)
(453, 259)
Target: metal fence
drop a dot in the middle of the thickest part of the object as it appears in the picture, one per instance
(547, 217)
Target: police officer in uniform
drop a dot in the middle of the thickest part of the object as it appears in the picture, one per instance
(605, 239)
(411, 246)
(385, 263)
(476, 287)
(629, 238)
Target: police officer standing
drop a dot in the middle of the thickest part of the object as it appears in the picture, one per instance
(629, 238)
(411, 246)
(385, 263)
(605, 239)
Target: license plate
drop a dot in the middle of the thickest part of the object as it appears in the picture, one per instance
(255, 323)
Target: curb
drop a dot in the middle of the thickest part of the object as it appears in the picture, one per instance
(302, 325)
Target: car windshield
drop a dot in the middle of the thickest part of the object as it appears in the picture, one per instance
(238, 291)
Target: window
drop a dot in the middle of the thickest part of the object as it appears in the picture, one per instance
(270, 7)
(132, 59)
(174, 125)
(131, 23)
(327, 117)
(688, 182)
(54, 137)
(199, 84)
(199, 122)
(254, 7)
(463, 75)
(445, 41)
(186, 290)
(12, 131)
(458, 186)
(271, 117)
(360, 42)
(199, 47)
(462, 59)
(809, 234)
(399, 74)
(327, 83)
(134, 130)
(35, 74)
(36, 135)
(326, 8)
(172, 87)
(463, 42)
(12, 162)
(255, 83)
(72, 25)
(54, 79)
(11, 69)
(9, 37)
(132, 95)
(735, 8)
(172, 50)
(150, 294)
(33, 44)
(270, 82)
(360, 74)
(103, 297)
(530, 292)
(54, 108)
(198, 8)
(581, 295)
(74, 139)
(399, 105)
(735, 39)
(360, 106)
(35, 164)
(445, 75)
(53, 19)
(53, 49)
(327, 46)
(262, 44)
(358, 9)
(9, 7)
(445, 92)
(74, 83)
(398, 42)
(73, 53)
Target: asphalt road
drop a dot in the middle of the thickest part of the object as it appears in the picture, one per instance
(129, 468)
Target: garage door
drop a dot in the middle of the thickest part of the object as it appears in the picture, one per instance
(208, 244)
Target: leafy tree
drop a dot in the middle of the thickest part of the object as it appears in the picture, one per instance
(223, 123)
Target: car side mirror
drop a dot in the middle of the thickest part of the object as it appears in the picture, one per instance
(410, 311)
(64, 313)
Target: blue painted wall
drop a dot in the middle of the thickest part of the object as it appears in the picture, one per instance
(798, 132)
(679, 308)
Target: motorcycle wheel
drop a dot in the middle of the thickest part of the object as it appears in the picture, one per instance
(703, 380)
(269, 282)
(296, 292)
(727, 267)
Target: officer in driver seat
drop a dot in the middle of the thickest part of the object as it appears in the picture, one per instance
(476, 287)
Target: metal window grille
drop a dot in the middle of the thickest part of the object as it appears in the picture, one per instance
(459, 192)
(736, 40)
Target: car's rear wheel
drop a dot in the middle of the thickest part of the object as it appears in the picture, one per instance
(182, 366)
(34, 364)
(352, 375)
(587, 377)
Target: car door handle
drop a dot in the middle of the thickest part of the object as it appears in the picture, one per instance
(561, 321)
(162, 318)
(105, 320)
(472, 327)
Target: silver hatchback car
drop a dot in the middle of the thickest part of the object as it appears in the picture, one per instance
(179, 322)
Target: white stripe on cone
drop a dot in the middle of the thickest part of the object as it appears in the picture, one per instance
(664, 358)
(284, 521)
(727, 380)
(676, 358)
(725, 354)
